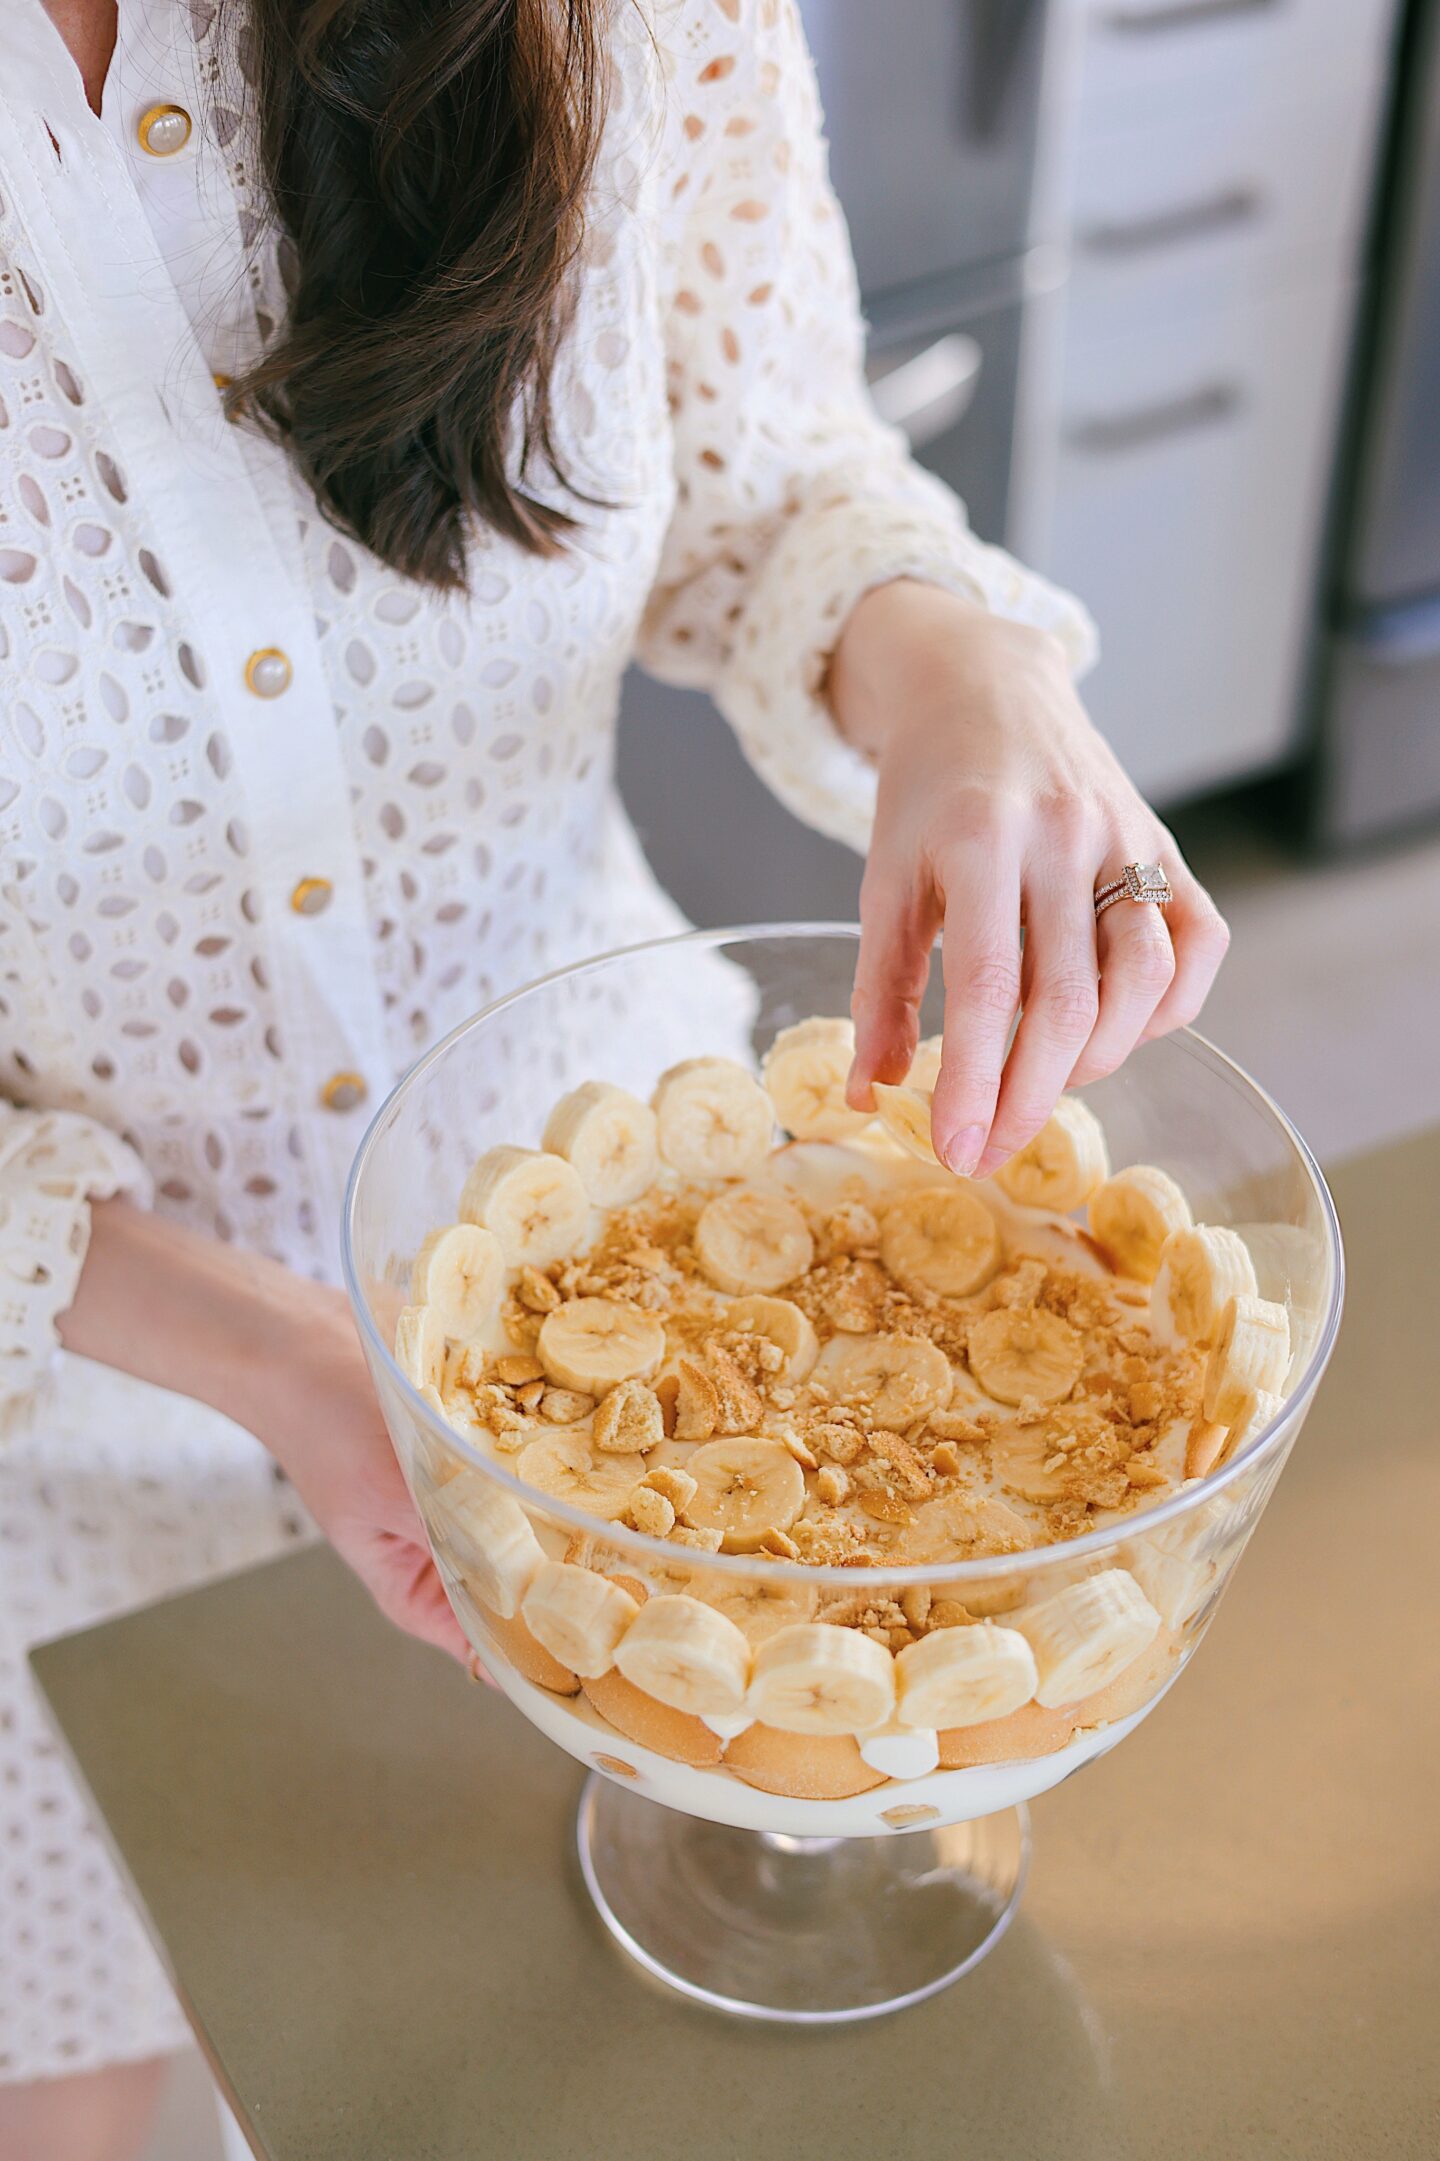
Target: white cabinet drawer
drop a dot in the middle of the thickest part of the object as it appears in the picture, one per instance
(1224, 208)
(1186, 511)
(1167, 57)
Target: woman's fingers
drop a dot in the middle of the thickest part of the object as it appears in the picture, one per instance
(405, 1584)
(898, 922)
(1201, 939)
(1091, 989)
(1060, 1009)
(981, 962)
(1137, 967)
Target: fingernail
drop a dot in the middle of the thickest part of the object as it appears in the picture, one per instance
(962, 1151)
(857, 1090)
(991, 1161)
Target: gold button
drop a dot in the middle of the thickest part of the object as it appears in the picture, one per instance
(268, 672)
(343, 1091)
(163, 130)
(311, 896)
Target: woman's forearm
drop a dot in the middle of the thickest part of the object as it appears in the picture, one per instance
(179, 1309)
(278, 1354)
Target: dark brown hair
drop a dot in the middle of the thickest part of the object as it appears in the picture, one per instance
(428, 161)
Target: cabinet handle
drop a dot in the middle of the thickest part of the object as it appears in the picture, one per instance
(1000, 31)
(928, 394)
(1179, 15)
(1203, 408)
(1217, 213)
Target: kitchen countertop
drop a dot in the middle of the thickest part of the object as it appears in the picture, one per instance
(360, 1866)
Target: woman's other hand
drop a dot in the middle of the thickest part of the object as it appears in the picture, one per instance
(279, 1354)
(316, 1411)
(999, 804)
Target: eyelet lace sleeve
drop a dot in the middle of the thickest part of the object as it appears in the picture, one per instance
(52, 1165)
(793, 498)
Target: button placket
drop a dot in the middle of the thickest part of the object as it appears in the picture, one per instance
(224, 504)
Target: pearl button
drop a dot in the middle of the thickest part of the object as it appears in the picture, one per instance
(311, 896)
(268, 672)
(343, 1091)
(163, 130)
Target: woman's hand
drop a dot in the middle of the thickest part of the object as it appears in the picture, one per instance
(280, 1355)
(315, 1410)
(999, 805)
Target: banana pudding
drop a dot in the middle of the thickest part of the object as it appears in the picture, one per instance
(762, 1372)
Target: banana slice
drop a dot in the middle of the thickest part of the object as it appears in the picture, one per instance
(608, 1136)
(743, 1488)
(1086, 1634)
(535, 1204)
(805, 1071)
(688, 1655)
(460, 1272)
(1176, 1586)
(592, 1344)
(817, 1678)
(1063, 1165)
(1016, 1352)
(904, 1112)
(896, 1379)
(578, 1616)
(1290, 1269)
(1201, 1269)
(488, 1536)
(925, 1065)
(1251, 1354)
(1018, 1459)
(959, 1676)
(713, 1119)
(420, 1346)
(563, 1466)
(1260, 1409)
(758, 1610)
(1133, 1214)
(966, 1527)
(942, 1238)
(993, 1595)
(748, 1240)
(781, 1322)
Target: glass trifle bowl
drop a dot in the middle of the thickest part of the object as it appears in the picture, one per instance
(825, 1506)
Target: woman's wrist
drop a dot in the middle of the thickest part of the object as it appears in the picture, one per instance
(911, 651)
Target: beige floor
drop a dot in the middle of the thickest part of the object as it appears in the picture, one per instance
(1330, 997)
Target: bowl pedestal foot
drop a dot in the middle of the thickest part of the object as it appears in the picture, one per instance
(798, 1931)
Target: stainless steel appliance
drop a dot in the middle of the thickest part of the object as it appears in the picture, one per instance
(1378, 753)
(932, 110)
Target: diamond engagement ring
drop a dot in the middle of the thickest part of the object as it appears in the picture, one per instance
(1138, 881)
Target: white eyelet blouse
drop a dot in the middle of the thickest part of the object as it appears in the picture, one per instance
(272, 818)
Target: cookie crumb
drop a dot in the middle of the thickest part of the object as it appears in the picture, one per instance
(650, 1511)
